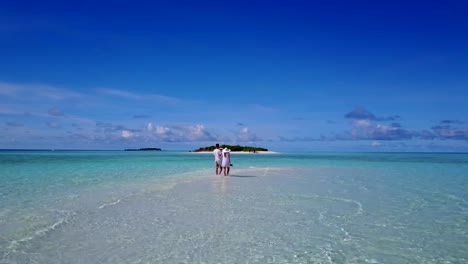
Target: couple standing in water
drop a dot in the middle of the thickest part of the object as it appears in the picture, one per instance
(222, 160)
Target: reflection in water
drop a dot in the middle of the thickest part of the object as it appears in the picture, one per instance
(220, 184)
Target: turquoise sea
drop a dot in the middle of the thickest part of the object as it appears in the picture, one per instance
(170, 207)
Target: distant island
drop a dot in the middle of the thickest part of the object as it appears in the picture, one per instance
(144, 149)
(232, 148)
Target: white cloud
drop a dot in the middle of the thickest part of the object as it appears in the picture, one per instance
(150, 127)
(362, 123)
(136, 96)
(180, 133)
(376, 143)
(127, 134)
(197, 131)
(161, 130)
(366, 129)
(37, 91)
(245, 135)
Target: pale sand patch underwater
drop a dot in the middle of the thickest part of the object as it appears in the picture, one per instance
(257, 215)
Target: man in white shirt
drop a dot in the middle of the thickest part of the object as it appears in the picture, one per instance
(218, 155)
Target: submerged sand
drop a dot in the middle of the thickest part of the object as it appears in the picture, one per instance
(257, 215)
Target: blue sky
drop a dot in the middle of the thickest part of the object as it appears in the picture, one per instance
(285, 75)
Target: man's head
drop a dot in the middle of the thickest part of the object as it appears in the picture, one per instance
(217, 145)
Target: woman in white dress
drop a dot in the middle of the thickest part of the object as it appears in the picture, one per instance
(226, 162)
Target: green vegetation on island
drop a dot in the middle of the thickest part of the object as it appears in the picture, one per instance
(144, 149)
(232, 148)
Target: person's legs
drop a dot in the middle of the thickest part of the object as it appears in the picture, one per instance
(218, 168)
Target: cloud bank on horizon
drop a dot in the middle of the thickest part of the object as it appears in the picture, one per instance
(126, 119)
(367, 76)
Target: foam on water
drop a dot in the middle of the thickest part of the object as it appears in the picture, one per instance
(289, 208)
(64, 218)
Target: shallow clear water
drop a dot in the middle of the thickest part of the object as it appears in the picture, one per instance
(169, 207)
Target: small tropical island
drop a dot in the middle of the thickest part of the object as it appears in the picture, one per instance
(232, 148)
(144, 149)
